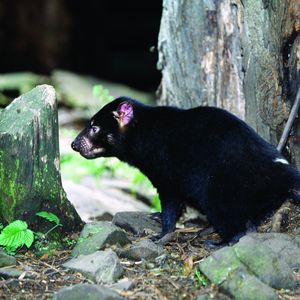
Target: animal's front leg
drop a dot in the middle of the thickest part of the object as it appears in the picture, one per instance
(171, 210)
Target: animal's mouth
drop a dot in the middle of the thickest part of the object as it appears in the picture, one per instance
(93, 153)
(86, 149)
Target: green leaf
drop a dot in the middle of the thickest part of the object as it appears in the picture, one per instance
(13, 235)
(28, 238)
(202, 279)
(15, 227)
(49, 216)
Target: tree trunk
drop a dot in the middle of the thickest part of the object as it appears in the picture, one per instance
(29, 161)
(241, 55)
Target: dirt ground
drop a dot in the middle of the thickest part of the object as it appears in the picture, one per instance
(173, 277)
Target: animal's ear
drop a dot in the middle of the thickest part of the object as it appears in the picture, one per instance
(124, 113)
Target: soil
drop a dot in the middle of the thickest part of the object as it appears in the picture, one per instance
(171, 277)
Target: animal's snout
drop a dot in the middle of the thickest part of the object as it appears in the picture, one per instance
(75, 146)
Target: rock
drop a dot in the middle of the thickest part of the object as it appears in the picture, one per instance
(90, 93)
(96, 235)
(252, 269)
(7, 272)
(224, 268)
(245, 286)
(145, 249)
(75, 91)
(282, 244)
(123, 284)
(10, 273)
(101, 266)
(267, 265)
(220, 264)
(18, 83)
(6, 260)
(139, 223)
(87, 292)
(218, 296)
(30, 178)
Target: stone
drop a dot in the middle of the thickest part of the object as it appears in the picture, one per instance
(10, 273)
(91, 93)
(87, 292)
(100, 266)
(267, 265)
(6, 260)
(123, 284)
(220, 264)
(245, 286)
(76, 91)
(254, 267)
(139, 223)
(282, 244)
(214, 296)
(18, 83)
(144, 249)
(96, 235)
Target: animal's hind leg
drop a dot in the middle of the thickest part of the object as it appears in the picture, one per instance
(230, 224)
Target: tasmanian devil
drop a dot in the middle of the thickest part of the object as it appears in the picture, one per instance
(203, 157)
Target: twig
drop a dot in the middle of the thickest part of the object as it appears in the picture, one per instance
(289, 122)
(51, 267)
(172, 282)
(57, 225)
(158, 292)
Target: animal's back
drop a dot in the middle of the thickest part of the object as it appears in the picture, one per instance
(222, 167)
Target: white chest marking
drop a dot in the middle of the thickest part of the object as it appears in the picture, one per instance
(281, 160)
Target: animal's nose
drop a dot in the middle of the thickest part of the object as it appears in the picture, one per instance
(74, 145)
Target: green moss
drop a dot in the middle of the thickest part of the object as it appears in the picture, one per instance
(218, 268)
(12, 191)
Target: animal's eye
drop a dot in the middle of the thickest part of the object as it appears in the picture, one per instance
(95, 129)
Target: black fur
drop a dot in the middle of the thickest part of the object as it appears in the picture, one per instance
(204, 157)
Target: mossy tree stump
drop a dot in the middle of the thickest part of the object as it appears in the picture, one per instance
(30, 179)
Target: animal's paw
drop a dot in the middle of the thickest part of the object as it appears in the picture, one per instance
(156, 216)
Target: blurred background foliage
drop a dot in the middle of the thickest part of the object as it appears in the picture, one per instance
(91, 52)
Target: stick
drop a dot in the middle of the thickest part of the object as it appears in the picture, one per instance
(289, 122)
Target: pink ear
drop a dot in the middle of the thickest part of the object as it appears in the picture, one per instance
(124, 113)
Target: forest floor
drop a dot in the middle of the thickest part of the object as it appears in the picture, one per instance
(43, 276)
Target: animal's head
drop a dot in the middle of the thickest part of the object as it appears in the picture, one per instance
(104, 134)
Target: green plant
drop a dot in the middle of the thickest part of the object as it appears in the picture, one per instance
(15, 235)
(156, 203)
(202, 280)
(102, 94)
(70, 242)
(51, 218)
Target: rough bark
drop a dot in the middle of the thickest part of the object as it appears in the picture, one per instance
(242, 55)
(29, 160)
